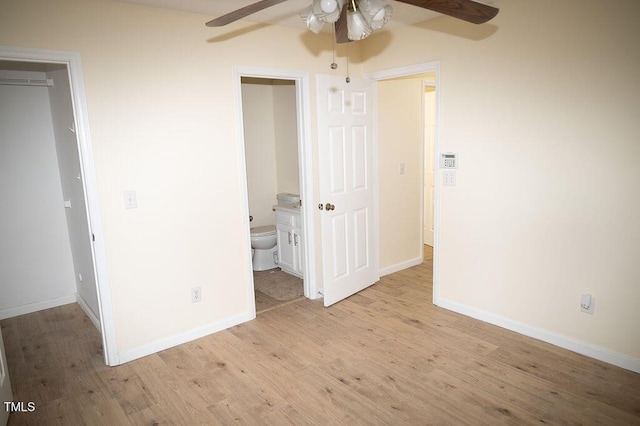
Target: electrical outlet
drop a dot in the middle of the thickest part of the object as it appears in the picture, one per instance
(196, 294)
(587, 303)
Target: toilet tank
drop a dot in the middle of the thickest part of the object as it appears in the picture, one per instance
(288, 198)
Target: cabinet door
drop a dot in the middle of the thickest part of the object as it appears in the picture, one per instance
(285, 247)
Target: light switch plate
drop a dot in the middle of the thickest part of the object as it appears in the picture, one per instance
(130, 200)
(449, 178)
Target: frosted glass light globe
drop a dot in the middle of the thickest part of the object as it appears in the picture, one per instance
(328, 6)
(380, 15)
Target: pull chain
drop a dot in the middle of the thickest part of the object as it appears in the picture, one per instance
(333, 63)
(348, 79)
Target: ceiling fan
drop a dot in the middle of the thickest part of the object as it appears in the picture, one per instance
(357, 19)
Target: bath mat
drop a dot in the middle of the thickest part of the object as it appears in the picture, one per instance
(278, 285)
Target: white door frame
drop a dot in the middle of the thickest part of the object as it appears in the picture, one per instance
(404, 72)
(87, 170)
(425, 84)
(305, 166)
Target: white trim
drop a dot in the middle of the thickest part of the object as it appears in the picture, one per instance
(422, 166)
(182, 338)
(376, 183)
(428, 83)
(402, 265)
(87, 170)
(433, 66)
(405, 71)
(436, 185)
(305, 165)
(583, 348)
(38, 306)
(242, 168)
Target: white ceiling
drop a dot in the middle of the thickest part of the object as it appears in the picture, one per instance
(283, 14)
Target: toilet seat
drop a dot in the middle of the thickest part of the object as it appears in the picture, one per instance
(263, 231)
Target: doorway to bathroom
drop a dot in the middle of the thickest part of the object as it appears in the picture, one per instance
(275, 138)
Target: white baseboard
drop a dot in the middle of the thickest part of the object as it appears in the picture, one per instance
(179, 339)
(38, 306)
(87, 310)
(400, 266)
(583, 348)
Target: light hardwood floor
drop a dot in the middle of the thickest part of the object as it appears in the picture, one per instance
(386, 356)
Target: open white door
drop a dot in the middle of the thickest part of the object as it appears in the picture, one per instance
(347, 193)
(5, 385)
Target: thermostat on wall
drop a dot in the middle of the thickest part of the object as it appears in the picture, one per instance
(449, 160)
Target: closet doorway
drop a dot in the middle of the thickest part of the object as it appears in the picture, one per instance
(53, 253)
(46, 250)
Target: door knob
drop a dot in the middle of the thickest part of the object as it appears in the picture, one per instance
(329, 206)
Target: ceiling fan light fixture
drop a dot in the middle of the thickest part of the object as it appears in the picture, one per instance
(357, 26)
(334, 15)
(376, 12)
(313, 22)
(321, 12)
(327, 10)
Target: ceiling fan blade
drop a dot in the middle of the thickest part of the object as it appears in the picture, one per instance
(242, 13)
(467, 10)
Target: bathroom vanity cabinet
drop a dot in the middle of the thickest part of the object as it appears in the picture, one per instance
(290, 239)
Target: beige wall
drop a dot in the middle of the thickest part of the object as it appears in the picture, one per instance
(162, 114)
(400, 140)
(286, 134)
(271, 144)
(541, 105)
(260, 151)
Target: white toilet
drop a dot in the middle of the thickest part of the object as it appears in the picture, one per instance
(264, 244)
(264, 240)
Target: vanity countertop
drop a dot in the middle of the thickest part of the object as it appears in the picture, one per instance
(289, 208)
